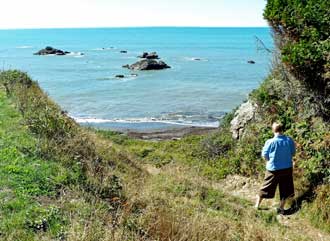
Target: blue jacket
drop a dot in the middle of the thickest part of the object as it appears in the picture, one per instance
(278, 152)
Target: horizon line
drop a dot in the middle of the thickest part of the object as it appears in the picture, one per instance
(117, 27)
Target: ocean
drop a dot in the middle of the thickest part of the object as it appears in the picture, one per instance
(191, 93)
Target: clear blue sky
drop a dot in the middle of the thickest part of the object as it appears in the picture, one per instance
(123, 13)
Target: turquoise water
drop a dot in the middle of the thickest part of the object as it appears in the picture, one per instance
(193, 93)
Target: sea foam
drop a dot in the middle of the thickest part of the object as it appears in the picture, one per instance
(96, 121)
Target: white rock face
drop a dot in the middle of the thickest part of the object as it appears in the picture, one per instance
(245, 113)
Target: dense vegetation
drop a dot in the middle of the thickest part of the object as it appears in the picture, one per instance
(303, 34)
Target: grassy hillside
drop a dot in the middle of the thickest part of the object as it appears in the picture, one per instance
(62, 181)
(56, 181)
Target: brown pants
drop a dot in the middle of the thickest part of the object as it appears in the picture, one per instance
(282, 178)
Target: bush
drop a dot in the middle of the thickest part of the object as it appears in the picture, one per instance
(303, 31)
(217, 145)
(320, 210)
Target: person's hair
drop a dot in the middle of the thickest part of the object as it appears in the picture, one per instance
(277, 127)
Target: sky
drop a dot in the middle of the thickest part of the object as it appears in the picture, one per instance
(130, 13)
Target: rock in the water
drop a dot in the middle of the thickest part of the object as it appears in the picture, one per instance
(149, 64)
(251, 62)
(120, 76)
(50, 50)
(245, 113)
(152, 55)
(60, 52)
(126, 66)
(144, 55)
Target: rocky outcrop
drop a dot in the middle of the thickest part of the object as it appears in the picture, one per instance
(51, 51)
(245, 113)
(148, 64)
(152, 55)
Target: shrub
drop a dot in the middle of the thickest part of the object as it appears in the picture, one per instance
(218, 145)
(304, 40)
(320, 210)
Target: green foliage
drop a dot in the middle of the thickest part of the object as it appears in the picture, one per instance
(262, 95)
(24, 178)
(320, 208)
(211, 197)
(43, 219)
(31, 177)
(309, 132)
(303, 31)
(313, 142)
(218, 145)
(268, 217)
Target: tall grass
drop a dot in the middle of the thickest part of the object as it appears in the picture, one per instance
(82, 184)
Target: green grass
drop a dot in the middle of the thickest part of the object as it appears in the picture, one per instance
(56, 179)
(25, 179)
(209, 154)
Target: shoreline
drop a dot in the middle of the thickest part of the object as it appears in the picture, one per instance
(167, 134)
(153, 131)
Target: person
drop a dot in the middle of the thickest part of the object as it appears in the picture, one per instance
(278, 152)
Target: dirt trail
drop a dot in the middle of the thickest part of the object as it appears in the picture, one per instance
(247, 188)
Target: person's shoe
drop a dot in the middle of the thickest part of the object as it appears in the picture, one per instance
(280, 211)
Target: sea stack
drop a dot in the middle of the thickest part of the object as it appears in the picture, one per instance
(51, 51)
(149, 64)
